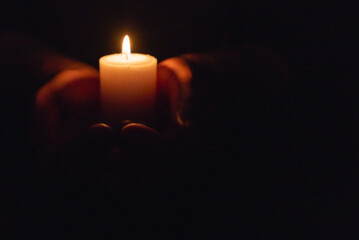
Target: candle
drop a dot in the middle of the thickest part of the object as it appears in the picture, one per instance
(128, 85)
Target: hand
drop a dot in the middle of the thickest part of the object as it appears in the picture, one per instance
(65, 107)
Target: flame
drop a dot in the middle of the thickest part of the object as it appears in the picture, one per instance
(126, 48)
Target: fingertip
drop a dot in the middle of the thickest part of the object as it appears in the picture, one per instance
(178, 67)
(43, 98)
(138, 129)
(100, 127)
(141, 136)
(100, 133)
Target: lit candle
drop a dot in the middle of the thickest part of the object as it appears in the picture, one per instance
(128, 85)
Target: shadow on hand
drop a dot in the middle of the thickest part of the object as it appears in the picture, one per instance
(128, 158)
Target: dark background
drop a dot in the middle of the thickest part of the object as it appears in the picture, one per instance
(89, 29)
(292, 172)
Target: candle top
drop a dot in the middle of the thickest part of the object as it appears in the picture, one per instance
(133, 60)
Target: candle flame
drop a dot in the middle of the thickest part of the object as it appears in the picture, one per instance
(126, 48)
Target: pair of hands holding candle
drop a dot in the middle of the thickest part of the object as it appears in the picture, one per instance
(188, 90)
(68, 110)
(72, 96)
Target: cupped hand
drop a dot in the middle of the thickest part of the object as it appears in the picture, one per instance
(66, 106)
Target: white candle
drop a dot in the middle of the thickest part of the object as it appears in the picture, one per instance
(128, 86)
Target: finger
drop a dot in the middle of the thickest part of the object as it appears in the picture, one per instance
(71, 91)
(100, 135)
(68, 103)
(179, 67)
(74, 85)
(174, 82)
(139, 136)
(174, 77)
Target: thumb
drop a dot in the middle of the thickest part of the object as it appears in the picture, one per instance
(139, 136)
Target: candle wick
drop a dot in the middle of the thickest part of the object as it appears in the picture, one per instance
(126, 56)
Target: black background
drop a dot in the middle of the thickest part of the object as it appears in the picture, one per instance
(292, 172)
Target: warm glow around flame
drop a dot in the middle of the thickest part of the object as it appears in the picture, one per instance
(126, 48)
